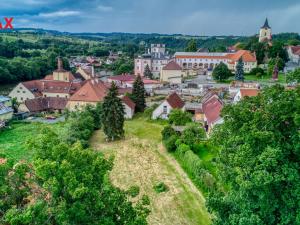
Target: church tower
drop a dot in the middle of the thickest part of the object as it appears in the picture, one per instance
(265, 33)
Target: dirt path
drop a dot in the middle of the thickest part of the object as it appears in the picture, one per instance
(143, 161)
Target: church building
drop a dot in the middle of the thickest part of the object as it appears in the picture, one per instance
(265, 33)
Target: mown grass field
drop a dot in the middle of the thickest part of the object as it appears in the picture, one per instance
(141, 160)
(13, 139)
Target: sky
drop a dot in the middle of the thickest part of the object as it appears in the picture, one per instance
(194, 17)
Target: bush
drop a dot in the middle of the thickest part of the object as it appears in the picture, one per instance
(221, 72)
(133, 191)
(148, 111)
(160, 187)
(192, 135)
(145, 200)
(170, 143)
(167, 132)
(257, 71)
(178, 117)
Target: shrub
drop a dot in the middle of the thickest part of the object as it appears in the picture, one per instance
(148, 111)
(133, 191)
(145, 200)
(167, 132)
(192, 135)
(170, 143)
(221, 72)
(178, 117)
(160, 187)
(257, 71)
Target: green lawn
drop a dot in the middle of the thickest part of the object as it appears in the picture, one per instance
(140, 159)
(13, 139)
(266, 78)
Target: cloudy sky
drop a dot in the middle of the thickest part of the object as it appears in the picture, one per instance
(199, 17)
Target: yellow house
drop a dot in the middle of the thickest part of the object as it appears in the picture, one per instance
(172, 73)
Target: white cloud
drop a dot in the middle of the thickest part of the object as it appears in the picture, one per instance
(104, 8)
(59, 14)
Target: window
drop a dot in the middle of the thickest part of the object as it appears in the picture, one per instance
(23, 91)
(21, 98)
(18, 91)
(165, 110)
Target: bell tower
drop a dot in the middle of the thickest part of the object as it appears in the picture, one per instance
(265, 33)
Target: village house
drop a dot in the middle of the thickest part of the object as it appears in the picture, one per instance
(93, 92)
(173, 101)
(6, 111)
(235, 86)
(155, 58)
(127, 81)
(207, 61)
(60, 84)
(172, 73)
(245, 92)
(46, 104)
(294, 54)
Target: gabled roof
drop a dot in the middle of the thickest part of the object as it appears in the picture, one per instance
(175, 101)
(128, 102)
(248, 92)
(247, 56)
(91, 91)
(212, 110)
(46, 103)
(123, 77)
(172, 66)
(295, 50)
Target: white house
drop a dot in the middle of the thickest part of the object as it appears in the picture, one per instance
(294, 54)
(173, 101)
(129, 107)
(245, 92)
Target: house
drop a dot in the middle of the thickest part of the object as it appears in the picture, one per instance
(6, 111)
(172, 73)
(173, 101)
(245, 92)
(155, 58)
(129, 107)
(60, 84)
(207, 61)
(93, 92)
(127, 81)
(211, 109)
(46, 104)
(294, 54)
(87, 72)
(235, 86)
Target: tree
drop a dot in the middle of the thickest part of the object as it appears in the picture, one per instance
(192, 46)
(294, 76)
(257, 71)
(178, 117)
(239, 73)
(277, 50)
(138, 94)
(15, 104)
(66, 184)
(113, 115)
(259, 160)
(221, 72)
(147, 72)
(280, 64)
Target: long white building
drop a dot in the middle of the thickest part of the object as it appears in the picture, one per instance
(209, 60)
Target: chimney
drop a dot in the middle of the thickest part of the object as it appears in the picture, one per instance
(93, 82)
(59, 64)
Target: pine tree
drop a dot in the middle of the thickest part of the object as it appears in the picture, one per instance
(138, 94)
(147, 72)
(113, 115)
(239, 73)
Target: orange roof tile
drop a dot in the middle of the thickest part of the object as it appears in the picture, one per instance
(248, 92)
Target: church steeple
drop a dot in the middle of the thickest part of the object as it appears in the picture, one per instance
(266, 25)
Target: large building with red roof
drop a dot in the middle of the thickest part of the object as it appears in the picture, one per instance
(59, 84)
(209, 60)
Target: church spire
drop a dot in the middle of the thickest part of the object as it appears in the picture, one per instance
(266, 25)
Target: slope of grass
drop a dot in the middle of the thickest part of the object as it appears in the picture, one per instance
(13, 139)
(141, 160)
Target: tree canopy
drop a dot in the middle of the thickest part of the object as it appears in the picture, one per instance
(221, 72)
(239, 72)
(138, 94)
(259, 160)
(192, 46)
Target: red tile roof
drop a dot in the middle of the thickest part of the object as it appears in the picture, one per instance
(91, 91)
(246, 55)
(45, 104)
(212, 110)
(175, 101)
(295, 50)
(128, 102)
(249, 92)
(172, 66)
